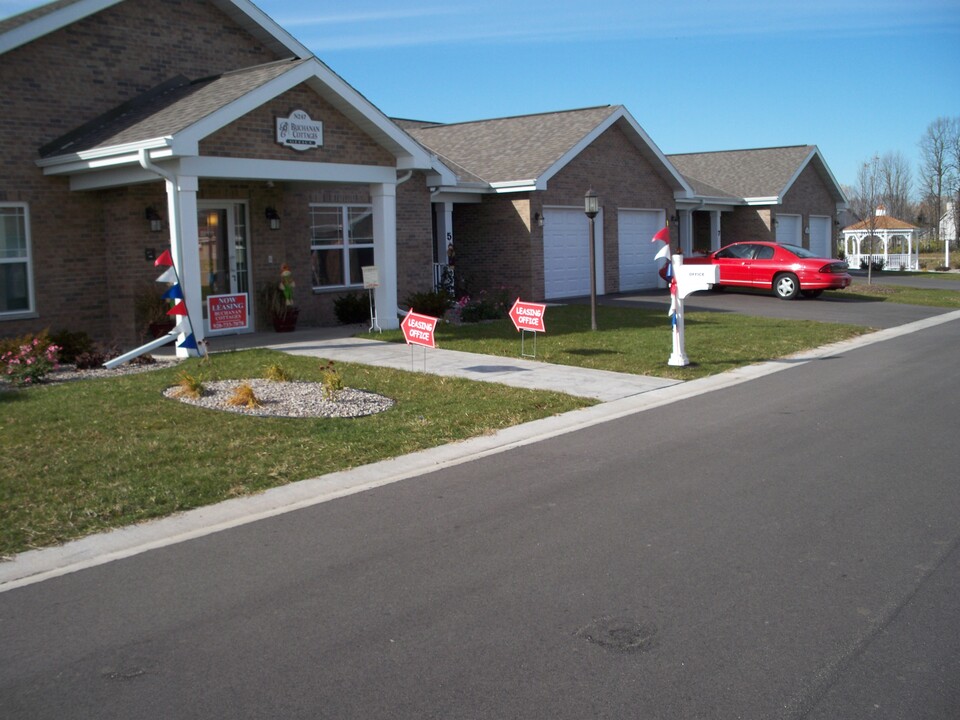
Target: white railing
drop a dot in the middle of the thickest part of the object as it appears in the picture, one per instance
(443, 278)
(891, 261)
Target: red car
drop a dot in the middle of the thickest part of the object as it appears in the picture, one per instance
(785, 269)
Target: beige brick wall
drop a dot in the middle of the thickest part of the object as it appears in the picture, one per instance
(89, 248)
(499, 245)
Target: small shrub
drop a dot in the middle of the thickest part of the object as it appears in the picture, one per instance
(942, 268)
(352, 308)
(878, 265)
(30, 361)
(276, 373)
(189, 386)
(243, 396)
(71, 344)
(432, 303)
(95, 358)
(482, 307)
(332, 380)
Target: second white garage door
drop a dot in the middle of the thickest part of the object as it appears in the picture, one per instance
(638, 268)
(566, 254)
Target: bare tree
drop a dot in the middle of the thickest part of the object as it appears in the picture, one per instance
(935, 175)
(895, 184)
(953, 155)
(868, 197)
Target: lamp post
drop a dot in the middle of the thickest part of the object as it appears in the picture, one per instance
(591, 206)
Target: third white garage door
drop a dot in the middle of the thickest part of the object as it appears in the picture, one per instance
(566, 255)
(638, 268)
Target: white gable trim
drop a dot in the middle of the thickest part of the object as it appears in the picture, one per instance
(619, 114)
(243, 12)
(814, 153)
(186, 143)
(46, 24)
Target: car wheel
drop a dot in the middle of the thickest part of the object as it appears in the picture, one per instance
(811, 293)
(786, 286)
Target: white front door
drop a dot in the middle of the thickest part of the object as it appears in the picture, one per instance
(224, 255)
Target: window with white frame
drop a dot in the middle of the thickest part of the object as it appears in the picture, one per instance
(16, 272)
(341, 242)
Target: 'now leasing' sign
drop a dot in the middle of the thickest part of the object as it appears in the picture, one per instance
(528, 316)
(228, 312)
(418, 329)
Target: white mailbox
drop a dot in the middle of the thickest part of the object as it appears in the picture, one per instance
(689, 278)
(692, 278)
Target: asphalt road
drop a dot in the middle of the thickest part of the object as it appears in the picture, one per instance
(785, 548)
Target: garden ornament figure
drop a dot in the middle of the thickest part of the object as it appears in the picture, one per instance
(286, 283)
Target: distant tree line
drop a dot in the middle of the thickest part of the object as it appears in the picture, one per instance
(887, 179)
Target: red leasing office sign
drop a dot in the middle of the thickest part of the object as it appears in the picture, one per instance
(228, 312)
(528, 316)
(418, 329)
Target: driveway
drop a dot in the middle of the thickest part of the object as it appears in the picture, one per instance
(848, 310)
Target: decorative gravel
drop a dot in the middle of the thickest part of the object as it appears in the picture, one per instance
(287, 399)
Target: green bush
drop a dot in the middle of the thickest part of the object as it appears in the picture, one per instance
(71, 344)
(431, 303)
(352, 308)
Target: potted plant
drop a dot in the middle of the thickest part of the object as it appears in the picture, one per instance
(276, 301)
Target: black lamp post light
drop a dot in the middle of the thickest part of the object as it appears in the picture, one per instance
(591, 206)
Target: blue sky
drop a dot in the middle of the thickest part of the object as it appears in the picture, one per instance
(855, 77)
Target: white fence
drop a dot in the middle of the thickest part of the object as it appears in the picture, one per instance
(891, 261)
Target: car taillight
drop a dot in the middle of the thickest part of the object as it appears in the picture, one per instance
(837, 267)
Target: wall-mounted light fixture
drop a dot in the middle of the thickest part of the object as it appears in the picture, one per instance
(806, 230)
(273, 218)
(153, 217)
(538, 219)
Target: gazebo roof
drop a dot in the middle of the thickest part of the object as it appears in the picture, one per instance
(880, 222)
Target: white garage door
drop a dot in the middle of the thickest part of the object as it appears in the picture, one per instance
(638, 268)
(820, 236)
(788, 229)
(566, 253)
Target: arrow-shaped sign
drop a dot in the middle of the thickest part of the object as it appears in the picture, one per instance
(418, 329)
(528, 316)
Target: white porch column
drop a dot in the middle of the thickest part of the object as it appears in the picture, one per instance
(686, 232)
(444, 212)
(384, 199)
(185, 249)
(714, 229)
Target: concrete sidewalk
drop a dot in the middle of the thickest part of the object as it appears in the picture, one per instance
(340, 345)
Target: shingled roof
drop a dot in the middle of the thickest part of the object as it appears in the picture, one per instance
(166, 109)
(523, 152)
(508, 149)
(752, 175)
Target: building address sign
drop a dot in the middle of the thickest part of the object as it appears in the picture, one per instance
(299, 131)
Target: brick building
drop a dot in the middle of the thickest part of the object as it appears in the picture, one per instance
(137, 126)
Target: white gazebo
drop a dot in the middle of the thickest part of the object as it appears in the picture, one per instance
(895, 239)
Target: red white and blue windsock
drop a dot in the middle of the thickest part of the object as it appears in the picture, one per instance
(175, 293)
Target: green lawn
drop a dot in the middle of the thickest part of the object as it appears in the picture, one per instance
(640, 341)
(880, 292)
(85, 456)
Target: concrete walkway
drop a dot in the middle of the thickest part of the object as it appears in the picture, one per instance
(600, 385)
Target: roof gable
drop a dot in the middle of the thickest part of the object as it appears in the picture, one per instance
(33, 24)
(524, 152)
(173, 118)
(757, 176)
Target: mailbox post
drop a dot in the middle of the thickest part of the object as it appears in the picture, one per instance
(686, 279)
